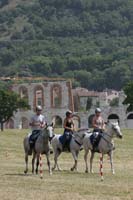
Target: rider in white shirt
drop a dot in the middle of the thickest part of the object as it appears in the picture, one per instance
(38, 120)
(37, 123)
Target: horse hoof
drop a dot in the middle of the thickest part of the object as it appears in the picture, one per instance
(25, 171)
(53, 168)
(72, 169)
(86, 171)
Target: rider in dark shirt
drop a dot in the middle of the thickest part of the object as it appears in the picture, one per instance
(68, 128)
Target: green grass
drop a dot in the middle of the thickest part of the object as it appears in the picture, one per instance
(64, 185)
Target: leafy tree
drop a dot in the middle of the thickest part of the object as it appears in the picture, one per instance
(52, 37)
(10, 102)
(128, 89)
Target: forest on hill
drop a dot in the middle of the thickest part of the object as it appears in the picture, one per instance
(89, 41)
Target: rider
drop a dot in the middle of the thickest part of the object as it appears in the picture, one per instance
(68, 128)
(37, 123)
(98, 125)
(98, 122)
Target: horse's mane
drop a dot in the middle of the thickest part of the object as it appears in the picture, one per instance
(83, 129)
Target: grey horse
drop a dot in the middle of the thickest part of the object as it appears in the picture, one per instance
(105, 145)
(42, 146)
(75, 145)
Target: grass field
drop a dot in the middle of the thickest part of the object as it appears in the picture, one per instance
(64, 185)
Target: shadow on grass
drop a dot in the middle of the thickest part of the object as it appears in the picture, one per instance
(20, 174)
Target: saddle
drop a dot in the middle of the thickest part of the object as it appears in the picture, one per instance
(33, 137)
(95, 139)
(65, 140)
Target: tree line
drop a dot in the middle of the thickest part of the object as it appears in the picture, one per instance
(85, 40)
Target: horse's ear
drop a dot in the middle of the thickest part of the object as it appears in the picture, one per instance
(53, 123)
(46, 124)
(106, 123)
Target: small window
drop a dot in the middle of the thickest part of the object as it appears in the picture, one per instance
(56, 96)
(38, 96)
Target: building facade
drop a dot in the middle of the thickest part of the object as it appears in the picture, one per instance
(56, 96)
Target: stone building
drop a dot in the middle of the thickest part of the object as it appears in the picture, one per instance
(56, 96)
(85, 113)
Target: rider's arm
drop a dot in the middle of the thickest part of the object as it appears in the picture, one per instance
(103, 125)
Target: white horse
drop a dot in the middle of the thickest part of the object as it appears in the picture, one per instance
(42, 146)
(105, 145)
(75, 145)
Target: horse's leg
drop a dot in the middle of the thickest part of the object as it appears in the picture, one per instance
(37, 162)
(91, 161)
(48, 163)
(75, 157)
(86, 161)
(56, 155)
(33, 162)
(111, 161)
(26, 162)
(76, 163)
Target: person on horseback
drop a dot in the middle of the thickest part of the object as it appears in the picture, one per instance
(37, 123)
(98, 127)
(98, 122)
(68, 128)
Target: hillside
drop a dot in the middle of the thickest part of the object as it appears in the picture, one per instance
(90, 41)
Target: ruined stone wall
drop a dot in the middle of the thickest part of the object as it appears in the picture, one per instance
(51, 109)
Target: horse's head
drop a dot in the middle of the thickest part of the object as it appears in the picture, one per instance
(49, 131)
(115, 129)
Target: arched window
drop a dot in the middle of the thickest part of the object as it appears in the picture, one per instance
(90, 118)
(130, 116)
(56, 97)
(25, 123)
(9, 124)
(23, 92)
(130, 120)
(113, 117)
(76, 120)
(58, 121)
(38, 96)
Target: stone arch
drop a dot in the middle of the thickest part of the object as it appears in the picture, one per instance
(58, 121)
(9, 124)
(130, 120)
(76, 120)
(130, 116)
(38, 96)
(56, 96)
(25, 123)
(90, 118)
(113, 117)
